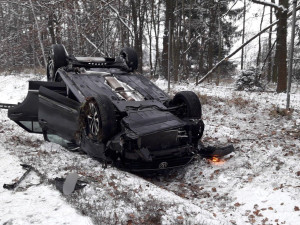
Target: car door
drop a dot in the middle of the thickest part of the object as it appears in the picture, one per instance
(58, 114)
(25, 114)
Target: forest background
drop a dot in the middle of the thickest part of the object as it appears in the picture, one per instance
(202, 33)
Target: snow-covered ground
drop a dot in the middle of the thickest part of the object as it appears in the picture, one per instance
(258, 184)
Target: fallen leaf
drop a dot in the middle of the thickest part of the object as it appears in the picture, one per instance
(217, 171)
(265, 220)
(257, 213)
(296, 208)
(237, 204)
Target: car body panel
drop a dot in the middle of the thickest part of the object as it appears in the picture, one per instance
(58, 114)
(149, 120)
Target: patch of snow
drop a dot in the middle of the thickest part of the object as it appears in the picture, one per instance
(31, 203)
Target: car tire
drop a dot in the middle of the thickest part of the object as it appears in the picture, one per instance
(191, 106)
(131, 58)
(99, 119)
(57, 58)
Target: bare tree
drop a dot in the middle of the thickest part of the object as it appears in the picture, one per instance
(280, 65)
(39, 32)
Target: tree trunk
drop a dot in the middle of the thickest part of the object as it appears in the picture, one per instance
(138, 14)
(243, 35)
(39, 33)
(168, 18)
(211, 33)
(220, 44)
(51, 28)
(258, 59)
(281, 48)
(270, 46)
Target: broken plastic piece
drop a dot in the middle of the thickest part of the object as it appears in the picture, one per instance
(211, 151)
(62, 183)
(70, 183)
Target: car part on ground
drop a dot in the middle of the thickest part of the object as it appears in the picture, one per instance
(12, 186)
(76, 184)
(102, 107)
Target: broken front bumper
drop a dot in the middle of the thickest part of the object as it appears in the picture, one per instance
(172, 158)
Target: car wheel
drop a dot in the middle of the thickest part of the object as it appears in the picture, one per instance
(57, 58)
(99, 118)
(190, 105)
(130, 56)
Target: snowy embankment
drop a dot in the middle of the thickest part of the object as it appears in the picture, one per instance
(260, 183)
(257, 184)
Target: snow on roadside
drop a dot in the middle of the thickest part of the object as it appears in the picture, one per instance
(264, 98)
(14, 88)
(259, 183)
(31, 202)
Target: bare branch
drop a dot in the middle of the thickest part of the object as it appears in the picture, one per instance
(191, 43)
(277, 7)
(229, 9)
(238, 49)
(119, 17)
(95, 46)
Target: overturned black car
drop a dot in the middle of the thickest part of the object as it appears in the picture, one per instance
(99, 105)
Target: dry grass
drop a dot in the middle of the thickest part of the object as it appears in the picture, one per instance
(37, 70)
(25, 141)
(238, 101)
(18, 70)
(278, 112)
